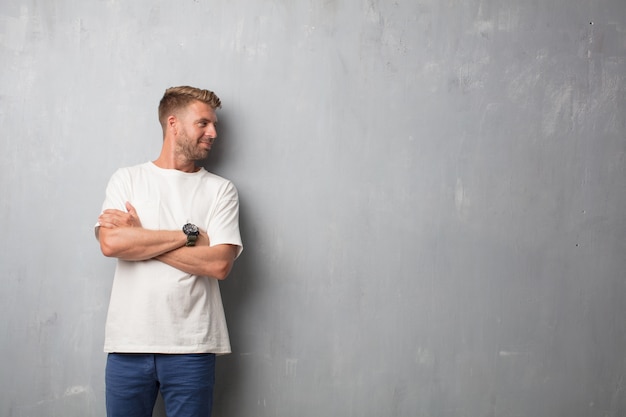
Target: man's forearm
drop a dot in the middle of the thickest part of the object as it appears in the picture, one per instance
(138, 244)
(210, 261)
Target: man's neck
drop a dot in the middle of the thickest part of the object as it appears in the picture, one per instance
(170, 161)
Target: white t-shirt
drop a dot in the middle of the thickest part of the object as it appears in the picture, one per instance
(156, 308)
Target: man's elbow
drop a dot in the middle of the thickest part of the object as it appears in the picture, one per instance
(107, 244)
(107, 250)
(222, 270)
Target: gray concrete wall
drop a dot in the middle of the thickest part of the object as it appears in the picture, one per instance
(433, 199)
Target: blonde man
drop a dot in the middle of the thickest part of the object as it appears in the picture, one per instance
(174, 229)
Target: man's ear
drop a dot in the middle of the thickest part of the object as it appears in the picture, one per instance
(172, 124)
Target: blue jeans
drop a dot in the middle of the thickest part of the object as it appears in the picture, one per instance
(134, 379)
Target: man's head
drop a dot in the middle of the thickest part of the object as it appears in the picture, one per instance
(178, 98)
(188, 118)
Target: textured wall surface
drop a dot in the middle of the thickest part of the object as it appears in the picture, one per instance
(433, 199)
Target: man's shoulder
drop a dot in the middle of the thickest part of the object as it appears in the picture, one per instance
(139, 167)
(217, 179)
(218, 184)
(132, 169)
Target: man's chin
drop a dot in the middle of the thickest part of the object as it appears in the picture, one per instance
(201, 156)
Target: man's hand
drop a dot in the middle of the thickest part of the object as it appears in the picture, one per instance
(112, 218)
(203, 239)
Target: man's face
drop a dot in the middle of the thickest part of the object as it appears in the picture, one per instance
(196, 131)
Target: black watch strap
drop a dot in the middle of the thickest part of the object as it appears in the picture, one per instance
(191, 240)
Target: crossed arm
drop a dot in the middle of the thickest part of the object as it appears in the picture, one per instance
(121, 236)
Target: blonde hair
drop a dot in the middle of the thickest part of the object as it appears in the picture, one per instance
(176, 98)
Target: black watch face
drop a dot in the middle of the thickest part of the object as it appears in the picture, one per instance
(191, 229)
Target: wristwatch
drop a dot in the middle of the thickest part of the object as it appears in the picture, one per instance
(192, 232)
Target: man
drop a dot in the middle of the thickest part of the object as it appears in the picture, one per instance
(174, 228)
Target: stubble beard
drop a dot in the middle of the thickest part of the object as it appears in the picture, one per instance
(191, 149)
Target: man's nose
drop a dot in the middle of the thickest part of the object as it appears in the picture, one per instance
(211, 132)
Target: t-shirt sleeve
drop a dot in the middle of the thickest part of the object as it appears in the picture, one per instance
(116, 194)
(224, 224)
(117, 191)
